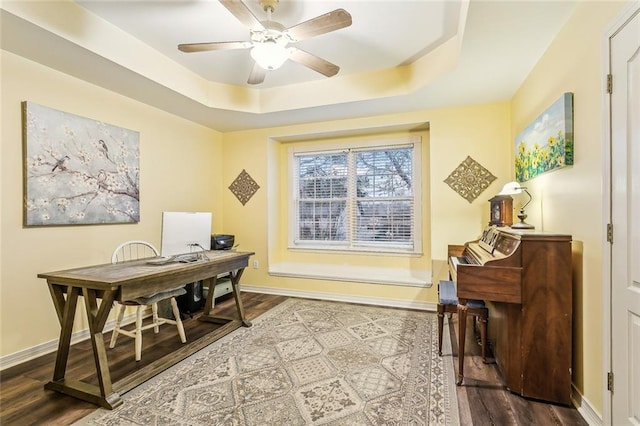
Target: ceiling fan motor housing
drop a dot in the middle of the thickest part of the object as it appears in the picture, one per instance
(272, 31)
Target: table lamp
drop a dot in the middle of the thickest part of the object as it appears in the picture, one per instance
(514, 188)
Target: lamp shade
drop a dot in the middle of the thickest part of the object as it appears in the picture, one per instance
(270, 54)
(511, 188)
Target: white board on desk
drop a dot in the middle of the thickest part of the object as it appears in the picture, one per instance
(182, 229)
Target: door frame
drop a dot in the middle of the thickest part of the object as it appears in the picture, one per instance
(616, 25)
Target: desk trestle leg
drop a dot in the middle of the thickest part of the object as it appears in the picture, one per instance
(103, 394)
(208, 306)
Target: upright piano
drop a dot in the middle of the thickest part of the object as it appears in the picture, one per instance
(525, 278)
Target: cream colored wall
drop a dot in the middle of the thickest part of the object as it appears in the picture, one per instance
(570, 200)
(179, 171)
(480, 131)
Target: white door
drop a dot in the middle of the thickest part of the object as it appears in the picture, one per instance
(625, 217)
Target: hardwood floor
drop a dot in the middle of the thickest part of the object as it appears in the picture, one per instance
(482, 399)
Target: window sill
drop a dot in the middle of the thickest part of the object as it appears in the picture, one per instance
(372, 275)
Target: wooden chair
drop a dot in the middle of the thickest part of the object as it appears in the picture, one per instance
(132, 250)
(448, 303)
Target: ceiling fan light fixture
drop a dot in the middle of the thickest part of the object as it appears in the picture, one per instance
(269, 54)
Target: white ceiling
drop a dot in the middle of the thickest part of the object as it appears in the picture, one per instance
(497, 44)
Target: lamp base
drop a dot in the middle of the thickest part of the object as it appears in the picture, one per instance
(522, 224)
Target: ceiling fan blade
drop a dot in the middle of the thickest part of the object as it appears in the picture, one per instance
(316, 63)
(257, 74)
(322, 24)
(243, 14)
(222, 45)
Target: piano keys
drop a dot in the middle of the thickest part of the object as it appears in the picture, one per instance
(525, 278)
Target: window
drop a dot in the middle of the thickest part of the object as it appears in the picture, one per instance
(357, 198)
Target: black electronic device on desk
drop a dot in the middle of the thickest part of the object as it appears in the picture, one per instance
(222, 242)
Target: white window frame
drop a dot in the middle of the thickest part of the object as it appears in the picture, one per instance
(306, 149)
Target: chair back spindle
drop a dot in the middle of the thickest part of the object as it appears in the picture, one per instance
(134, 250)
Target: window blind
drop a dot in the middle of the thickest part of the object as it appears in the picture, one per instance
(354, 198)
(382, 207)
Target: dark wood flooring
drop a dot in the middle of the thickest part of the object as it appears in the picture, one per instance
(482, 399)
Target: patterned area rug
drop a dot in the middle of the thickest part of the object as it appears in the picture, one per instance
(305, 362)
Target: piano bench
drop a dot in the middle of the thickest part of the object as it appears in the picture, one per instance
(448, 303)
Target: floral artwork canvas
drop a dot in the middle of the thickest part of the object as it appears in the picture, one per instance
(78, 171)
(547, 143)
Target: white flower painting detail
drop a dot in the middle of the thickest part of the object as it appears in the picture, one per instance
(78, 171)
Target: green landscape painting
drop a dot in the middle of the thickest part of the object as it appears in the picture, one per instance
(547, 143)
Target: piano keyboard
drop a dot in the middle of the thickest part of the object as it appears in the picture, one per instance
(459, 260)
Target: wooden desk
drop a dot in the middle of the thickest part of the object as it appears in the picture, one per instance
(125, 281)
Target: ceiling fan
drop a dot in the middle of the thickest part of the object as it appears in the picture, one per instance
(270, 41)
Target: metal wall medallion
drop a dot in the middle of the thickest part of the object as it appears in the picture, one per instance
(244, 187)
(469, 179)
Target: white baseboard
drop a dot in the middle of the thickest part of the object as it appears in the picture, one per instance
(585, 408)
(364, 300)
(28, 354)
